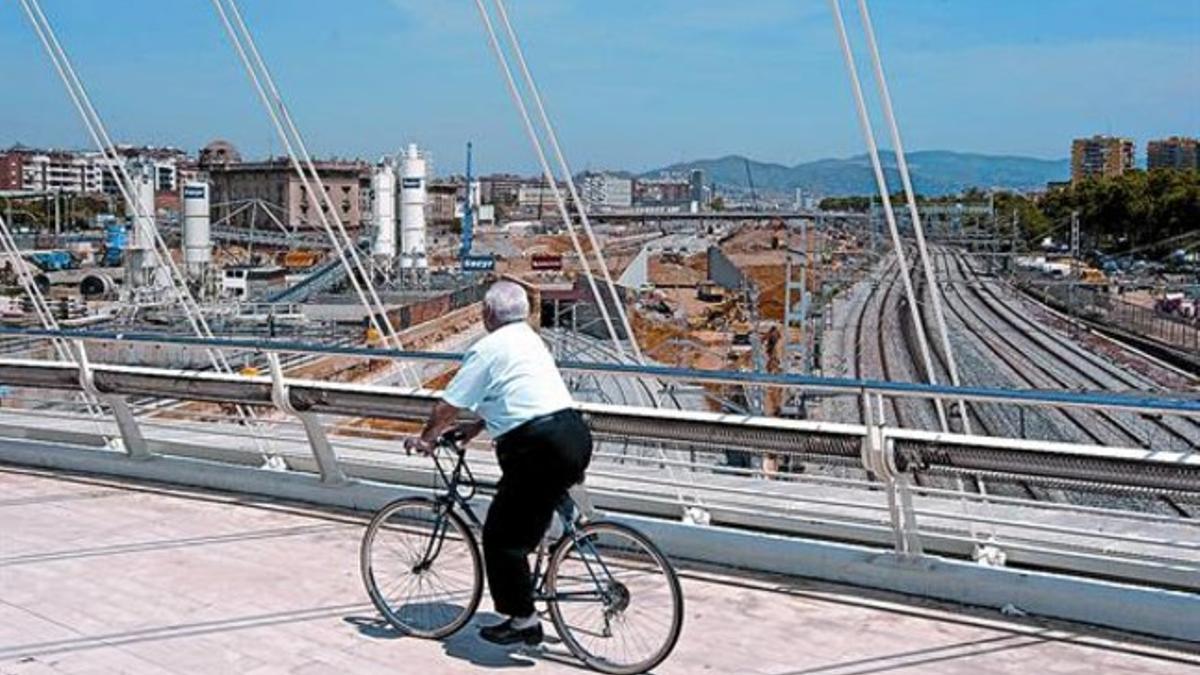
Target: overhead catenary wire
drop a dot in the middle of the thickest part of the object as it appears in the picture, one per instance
(864, 119)
(302, 162)
(935, 295)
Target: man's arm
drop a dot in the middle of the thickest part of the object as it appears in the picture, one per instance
(442, 418)
(464, 392)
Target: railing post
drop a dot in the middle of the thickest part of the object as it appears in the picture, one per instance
(127, 426)
(327, 464)
(878, 457)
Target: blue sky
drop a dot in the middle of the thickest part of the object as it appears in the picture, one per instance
(630, 83)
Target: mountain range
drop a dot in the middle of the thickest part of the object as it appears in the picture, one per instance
(934, 172)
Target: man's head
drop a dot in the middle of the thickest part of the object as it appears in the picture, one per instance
(505, 302)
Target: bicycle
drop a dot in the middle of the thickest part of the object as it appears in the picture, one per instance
(422, 567)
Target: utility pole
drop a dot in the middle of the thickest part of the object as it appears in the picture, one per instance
(1074, 262)
(1016, 232)
(57, 217)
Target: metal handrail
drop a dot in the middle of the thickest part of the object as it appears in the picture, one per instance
(1185, 405)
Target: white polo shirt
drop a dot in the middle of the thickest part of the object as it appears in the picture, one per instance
(508, 377)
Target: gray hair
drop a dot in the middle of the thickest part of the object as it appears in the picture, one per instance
(507, 302)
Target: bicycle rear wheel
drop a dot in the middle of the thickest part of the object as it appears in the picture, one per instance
(421, 567)
(614, 598)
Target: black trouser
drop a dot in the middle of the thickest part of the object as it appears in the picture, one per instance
(539, 461)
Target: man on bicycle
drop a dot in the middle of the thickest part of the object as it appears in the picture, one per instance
(509, 380)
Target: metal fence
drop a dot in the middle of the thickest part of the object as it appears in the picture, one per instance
(1101, 306)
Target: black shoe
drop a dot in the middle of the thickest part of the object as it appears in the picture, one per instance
(505, 634)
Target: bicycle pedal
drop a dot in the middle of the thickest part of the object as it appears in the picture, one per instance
(532, 650)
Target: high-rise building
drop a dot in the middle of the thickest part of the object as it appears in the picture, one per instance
(1176, 152)
(696, 178)
(1100, 156)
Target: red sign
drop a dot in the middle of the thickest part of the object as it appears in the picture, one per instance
(541, 261)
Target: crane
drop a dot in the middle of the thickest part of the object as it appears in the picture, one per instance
(468, 216)
(469, 261)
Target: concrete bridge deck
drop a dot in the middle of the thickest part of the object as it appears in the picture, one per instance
(103, 576)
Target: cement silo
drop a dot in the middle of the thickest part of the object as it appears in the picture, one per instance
(139, 258)
(412, 209)
(197, 231)
(383, 212)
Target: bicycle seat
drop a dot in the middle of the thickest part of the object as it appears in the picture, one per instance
(575, 498)
(566, 509)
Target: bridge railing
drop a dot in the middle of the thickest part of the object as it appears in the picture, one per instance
(1122, 513)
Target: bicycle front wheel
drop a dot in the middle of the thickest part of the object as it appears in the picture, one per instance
(421, 567)
(614, 598)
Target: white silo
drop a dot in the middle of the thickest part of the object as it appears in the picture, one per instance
(197, 234)
(383, 211)
(142, 234)
(412, 208)
(139, 258)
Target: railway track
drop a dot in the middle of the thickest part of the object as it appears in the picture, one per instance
(1053, 361)
(1024, 353)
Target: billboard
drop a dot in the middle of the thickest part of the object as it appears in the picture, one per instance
(542, 261)
(478, 263)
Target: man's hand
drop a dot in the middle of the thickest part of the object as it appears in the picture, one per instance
(419, 444)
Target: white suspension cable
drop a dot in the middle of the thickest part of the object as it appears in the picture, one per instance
(104, 143)
(99, 134)
(935, 294)
(560, 202)
(301, 160)
(580, 206)
(41, 308)
(514, 91)
(864, 119)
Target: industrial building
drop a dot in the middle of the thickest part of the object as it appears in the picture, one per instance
(1100, 156)
(1176, 152)
(275, 182)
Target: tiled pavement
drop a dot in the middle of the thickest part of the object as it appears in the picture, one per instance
(98, 576)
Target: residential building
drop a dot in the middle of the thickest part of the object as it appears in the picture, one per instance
(538, 196)
(24, 168)
(11, 171)
(1176, 152)
(1100, 156)
(606, 191)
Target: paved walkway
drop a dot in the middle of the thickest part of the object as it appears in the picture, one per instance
(98, 576)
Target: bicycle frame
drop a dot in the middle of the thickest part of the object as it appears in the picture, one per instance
(452, 497)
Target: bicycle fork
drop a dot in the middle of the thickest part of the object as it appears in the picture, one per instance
(434, 547)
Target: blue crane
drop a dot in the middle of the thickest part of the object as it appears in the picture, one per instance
(468, 216)
(468, 260)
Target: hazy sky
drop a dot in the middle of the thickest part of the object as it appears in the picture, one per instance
(630, 83)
